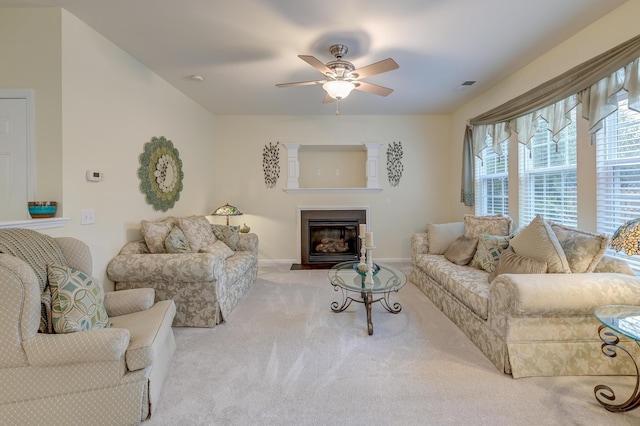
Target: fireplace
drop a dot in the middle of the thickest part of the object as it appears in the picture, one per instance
(330, 236)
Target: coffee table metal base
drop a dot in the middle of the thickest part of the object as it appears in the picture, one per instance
(604, 394)
(368, 300)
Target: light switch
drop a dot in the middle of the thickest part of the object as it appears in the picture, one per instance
(88, 217)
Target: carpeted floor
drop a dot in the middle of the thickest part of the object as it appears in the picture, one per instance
(284, 358)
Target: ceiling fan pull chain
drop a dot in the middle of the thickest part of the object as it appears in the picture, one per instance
(337, 105)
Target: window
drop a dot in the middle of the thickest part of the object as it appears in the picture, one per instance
(618, 170)
(547, 173)
(492, 183)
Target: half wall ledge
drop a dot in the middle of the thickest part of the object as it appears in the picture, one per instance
(331, 190)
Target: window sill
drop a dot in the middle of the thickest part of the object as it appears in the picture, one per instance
(54, 222)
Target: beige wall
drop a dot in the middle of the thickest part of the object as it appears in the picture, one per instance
(396, 212)
(613, 29)
(104, 107)
(30, 50)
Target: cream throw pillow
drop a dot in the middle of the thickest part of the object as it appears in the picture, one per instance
(538, 241)
(461, 250)
(474, 226)
(583, 249)
(440, 236)
(154, 233)
(511, 263)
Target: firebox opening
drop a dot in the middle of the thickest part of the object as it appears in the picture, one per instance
(330, 236)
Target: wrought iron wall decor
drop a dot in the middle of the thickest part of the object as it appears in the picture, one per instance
(160, 173)
(394, 163)
(271, 164)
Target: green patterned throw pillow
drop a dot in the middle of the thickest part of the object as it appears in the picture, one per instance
(176, 242)
(77, 300)
(227, 234)
(490, 247)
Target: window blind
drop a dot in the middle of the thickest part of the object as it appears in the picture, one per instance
(547, 174)
(492, 183)
(618, 171)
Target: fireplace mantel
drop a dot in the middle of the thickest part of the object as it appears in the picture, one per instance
(371, 170)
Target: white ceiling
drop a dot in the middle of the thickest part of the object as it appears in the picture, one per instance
(242, 48)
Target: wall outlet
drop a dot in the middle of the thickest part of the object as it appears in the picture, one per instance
(88, 217)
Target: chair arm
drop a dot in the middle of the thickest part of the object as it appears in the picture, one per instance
(248, 242)
(128, 301)
(103, 344)
(561, 294)
(185, 267)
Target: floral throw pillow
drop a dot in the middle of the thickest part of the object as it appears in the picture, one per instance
(474, 226)
(154, 234)
(489, 249)
(227, 234)
(197, 230)
(77, 300)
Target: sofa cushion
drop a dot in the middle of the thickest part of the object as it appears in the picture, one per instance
(474, 226)
(77, 300)
(488, 251)
(176, 242)
(440, 236)
(583, 249)
(154, 233)
(613, 264)
(461, 251)
(511, 263)
(467, 284)
(218, 248)
(537, 240)
(227, 234)
(197, 230)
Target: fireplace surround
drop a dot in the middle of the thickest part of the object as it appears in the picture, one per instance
(330, 235)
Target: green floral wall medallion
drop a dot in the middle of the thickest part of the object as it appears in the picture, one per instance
(160, 173)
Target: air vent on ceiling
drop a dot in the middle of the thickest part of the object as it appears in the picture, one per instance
(466, 84)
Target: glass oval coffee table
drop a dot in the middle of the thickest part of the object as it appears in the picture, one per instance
(623, 320)
(350, 282)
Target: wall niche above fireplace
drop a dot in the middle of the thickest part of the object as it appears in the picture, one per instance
(332, 168)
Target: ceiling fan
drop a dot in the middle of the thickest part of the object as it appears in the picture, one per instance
(341, 77)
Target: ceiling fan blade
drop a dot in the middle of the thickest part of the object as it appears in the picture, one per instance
(376, 68)
(302, 83)
(316, 64)
(372, 88)
(327, 99)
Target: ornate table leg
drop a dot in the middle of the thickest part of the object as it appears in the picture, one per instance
(610, 342)
(367, 302)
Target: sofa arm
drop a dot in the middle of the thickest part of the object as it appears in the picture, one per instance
(564, 294)
(128, 301)
(187, 267)
(419, 244)
(103, 344)
(248, 242)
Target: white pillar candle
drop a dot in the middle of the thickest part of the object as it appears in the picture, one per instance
(363, 229)
(368, 239)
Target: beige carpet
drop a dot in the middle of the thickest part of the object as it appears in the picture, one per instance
(284, 358)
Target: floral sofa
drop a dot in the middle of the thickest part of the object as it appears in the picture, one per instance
(526, 300)
(204, 268)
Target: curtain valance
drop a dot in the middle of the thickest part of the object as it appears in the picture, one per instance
(593, 83)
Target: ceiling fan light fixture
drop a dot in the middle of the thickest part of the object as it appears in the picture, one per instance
(338, 89)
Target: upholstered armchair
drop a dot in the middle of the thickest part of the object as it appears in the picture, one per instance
(110, 375)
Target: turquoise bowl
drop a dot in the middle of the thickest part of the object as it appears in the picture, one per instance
(42, 209)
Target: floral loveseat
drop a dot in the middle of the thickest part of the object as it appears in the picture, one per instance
(526, 301)
(204, 268)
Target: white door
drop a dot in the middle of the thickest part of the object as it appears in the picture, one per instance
(14, 185)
